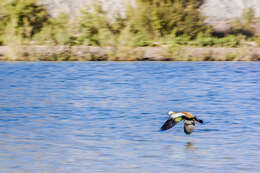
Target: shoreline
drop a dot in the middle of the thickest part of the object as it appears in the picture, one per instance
(159, 53)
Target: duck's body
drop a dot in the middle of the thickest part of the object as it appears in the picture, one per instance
(175, 117)
(189, 126)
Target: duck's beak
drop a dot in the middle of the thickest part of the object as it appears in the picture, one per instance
(198, 120)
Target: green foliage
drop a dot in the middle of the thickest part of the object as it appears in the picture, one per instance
(24, 17)
(228, 41)
(140, 39)
(244, 25)
(206, 41)
(89, 25)
(96, 28)
(174, 47)
(151, 22)
(159, 18)
(182, 40)
(57, 31)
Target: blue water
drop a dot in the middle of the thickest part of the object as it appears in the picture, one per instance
(105, 117)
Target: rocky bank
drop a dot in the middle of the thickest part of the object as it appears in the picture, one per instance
(91, 53)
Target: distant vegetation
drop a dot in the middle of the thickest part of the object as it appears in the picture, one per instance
(21, 20)
(151, 23)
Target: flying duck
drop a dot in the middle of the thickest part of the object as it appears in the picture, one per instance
(175, 117)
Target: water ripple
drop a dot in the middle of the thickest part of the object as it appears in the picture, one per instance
(106, 116)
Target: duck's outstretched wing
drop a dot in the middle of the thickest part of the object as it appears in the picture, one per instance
(172, 121)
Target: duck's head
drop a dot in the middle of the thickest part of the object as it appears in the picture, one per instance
(171, 112)
(193, 117)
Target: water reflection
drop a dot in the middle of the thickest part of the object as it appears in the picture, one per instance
(190, 146)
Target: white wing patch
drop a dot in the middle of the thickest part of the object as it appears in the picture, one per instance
(177, 115)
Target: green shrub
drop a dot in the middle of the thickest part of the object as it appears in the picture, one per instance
(159, 18)
(24, 17)
(96, 28)
(141, 39)
(182, 40)
(151, 22)
(57, 31)
(205, 41)
(175, 51)
(244, 25)
(229, 41)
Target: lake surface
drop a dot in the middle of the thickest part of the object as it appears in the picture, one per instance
(105, 117)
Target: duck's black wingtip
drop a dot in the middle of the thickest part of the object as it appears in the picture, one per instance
(168, 124)
(162, 129)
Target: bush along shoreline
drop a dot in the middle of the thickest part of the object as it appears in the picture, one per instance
(169, 30)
